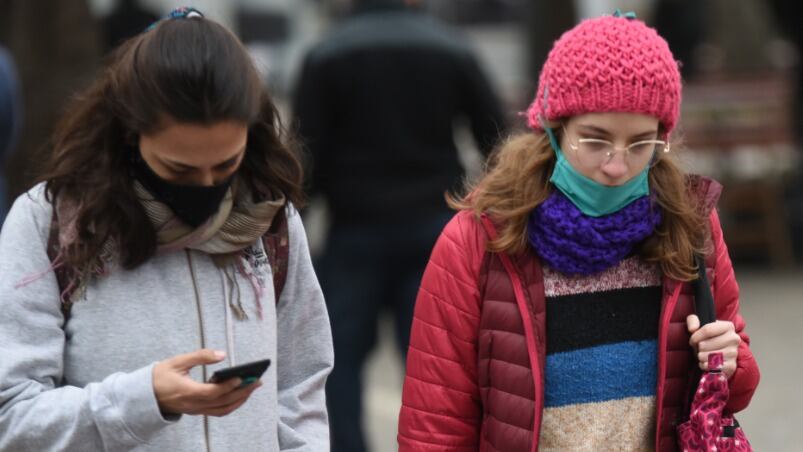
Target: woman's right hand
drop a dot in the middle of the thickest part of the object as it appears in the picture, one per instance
(177, 393)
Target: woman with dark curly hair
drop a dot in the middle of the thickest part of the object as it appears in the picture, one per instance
(162, 244)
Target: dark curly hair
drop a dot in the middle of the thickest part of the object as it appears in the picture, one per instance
(191, 70)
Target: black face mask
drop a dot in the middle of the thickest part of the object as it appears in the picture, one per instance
(192, 204)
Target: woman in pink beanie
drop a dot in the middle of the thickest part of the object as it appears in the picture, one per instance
(557, 311)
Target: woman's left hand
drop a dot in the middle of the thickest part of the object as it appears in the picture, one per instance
(719, 336)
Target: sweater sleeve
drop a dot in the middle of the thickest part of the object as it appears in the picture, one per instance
(441, 407)
(36, 412)
(744, 381)
(305, 355)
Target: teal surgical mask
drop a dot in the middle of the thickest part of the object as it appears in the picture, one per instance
(591, 197)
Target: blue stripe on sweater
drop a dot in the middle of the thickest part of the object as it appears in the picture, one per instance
(605, 372)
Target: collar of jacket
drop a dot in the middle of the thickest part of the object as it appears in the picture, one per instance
(706, 190)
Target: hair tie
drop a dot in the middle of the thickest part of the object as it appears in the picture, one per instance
(628, 15)
(183, 12)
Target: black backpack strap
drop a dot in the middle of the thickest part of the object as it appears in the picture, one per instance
(277, 248)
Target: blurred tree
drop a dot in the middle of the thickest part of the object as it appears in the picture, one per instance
(10, 118)
(57, 48)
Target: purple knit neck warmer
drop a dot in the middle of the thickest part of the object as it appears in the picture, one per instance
(572, 242)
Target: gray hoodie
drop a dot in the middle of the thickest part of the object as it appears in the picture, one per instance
(87, 385)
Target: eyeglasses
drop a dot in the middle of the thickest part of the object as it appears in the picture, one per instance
(593, 152)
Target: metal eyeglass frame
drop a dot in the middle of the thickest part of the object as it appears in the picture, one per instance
(611, 148)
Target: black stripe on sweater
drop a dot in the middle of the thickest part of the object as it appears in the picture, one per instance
(590, 319)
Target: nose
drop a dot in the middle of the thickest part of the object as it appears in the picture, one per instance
(616, 168)
(206, 179)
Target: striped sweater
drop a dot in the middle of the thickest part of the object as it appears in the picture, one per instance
(601, 359)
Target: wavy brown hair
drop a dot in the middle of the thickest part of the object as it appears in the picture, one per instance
(189, 70)
(516, 181)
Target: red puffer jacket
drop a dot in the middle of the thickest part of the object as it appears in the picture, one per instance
(475, 364)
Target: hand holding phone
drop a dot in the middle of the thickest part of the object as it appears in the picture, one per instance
(176, 392)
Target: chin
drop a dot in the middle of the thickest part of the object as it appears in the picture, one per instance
(608, 183)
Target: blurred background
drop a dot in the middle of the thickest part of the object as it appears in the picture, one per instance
(741, 122)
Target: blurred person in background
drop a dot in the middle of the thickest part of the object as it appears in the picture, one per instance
(682, 23)
(376, 106)
(10, 120)
(129, 18)
(788, 13)
(556, 312)
(545, 22)
(147, 258)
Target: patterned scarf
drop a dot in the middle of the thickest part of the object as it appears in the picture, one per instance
(234, 227)
(574, 243)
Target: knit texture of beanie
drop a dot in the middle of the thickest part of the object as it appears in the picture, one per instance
(608, 64)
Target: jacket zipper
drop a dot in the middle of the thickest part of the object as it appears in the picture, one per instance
(666, 315)
(201, 333)
(529, 334)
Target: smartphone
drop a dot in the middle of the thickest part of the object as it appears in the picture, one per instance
(249, 372)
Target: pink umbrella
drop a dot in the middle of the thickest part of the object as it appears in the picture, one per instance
(707, 428)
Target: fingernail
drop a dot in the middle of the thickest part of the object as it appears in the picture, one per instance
(219, 354)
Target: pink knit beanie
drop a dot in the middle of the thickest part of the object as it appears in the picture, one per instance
(608, 64)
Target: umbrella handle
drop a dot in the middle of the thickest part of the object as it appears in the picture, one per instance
(703, 299)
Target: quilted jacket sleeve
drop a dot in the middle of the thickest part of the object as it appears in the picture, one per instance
(440, 402)
(744, 381)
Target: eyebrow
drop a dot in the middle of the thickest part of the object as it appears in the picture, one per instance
(601, 131)
(183, 167)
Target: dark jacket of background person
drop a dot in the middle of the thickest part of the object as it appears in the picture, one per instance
(376, 104)
(788, 13)
(10, 120)
(128, 19)
(376, 107)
